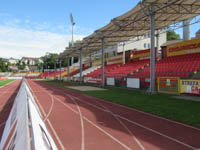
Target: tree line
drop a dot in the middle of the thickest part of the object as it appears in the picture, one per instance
(4, 65)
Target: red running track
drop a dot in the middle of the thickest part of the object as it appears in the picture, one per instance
(7, 97)
(80, 122)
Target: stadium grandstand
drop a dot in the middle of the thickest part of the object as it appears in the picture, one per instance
(175, 61)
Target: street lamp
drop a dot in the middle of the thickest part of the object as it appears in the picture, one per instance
(73, 23)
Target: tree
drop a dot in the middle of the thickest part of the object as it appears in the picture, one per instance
(28, 63)
(172, 35)
(21, 67)
(3, 65)
(49, 60)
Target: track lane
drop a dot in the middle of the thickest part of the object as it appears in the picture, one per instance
(110, 138)
(183, 133)
(122, 112)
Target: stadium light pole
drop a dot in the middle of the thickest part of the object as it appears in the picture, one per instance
(73, 23)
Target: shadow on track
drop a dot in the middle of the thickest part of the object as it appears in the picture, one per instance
(4, 113)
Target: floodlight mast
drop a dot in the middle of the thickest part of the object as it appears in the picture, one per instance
(73, 23)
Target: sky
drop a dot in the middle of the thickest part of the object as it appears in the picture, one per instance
(33, 27)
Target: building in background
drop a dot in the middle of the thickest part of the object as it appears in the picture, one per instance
(13, 68)
(13, 61)
(144, 42)
(30, 61)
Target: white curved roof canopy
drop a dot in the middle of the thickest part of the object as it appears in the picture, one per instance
(136, 22)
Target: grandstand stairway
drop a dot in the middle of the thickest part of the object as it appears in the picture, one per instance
(87, 71)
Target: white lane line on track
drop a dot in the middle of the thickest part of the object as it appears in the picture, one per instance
(142, 126)
(133, 109)
(81, 118)
(51, 108)
(149, 129)
(156, 132)
(125, 127)
(149, 114)
(51, 126)
(102, 130)
(82, 124)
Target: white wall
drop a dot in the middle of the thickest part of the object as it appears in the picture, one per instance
(140, 44)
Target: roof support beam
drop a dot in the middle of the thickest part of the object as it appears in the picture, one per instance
(81, 66)
(68, 69)
(102, 63)
(152, 60)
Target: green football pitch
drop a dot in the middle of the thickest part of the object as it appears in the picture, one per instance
(5, 81)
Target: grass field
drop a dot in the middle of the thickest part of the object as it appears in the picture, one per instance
(160, 104)
(5, 81)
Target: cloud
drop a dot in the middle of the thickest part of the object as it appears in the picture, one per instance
(18, 42)
(25, 37)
